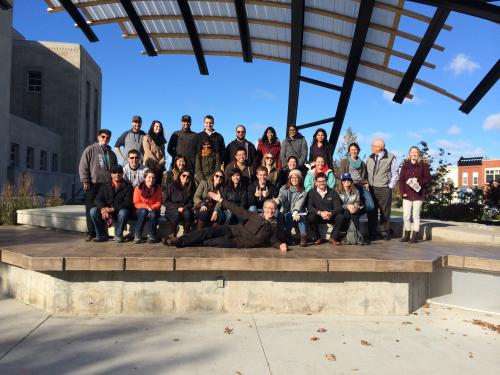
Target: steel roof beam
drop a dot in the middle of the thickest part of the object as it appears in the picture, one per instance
(327, 85)
(297, 34)
(482, 88)
(138, 26)
(423, 50)
(193, 35)
(79, 20)
(358, 42)
(241, 14)
(316, 123)
(473, 8)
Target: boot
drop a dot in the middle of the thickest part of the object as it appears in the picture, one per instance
(414, 236)
(172, 229)
(406, 236)
(200, 225)
(303, 240)
(186, 228)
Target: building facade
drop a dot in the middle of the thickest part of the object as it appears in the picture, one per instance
(54, 112)
(476, 172)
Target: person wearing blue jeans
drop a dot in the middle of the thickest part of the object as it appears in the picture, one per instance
(144, 214)
(147, 202)
(119, 222)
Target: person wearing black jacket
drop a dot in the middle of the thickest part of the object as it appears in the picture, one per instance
(260, 191)
(325, 207)
(113, 202)
(241, 142)
(183, 142)
(216, 139)
(236, 193)
(258, 230)
(178, 202)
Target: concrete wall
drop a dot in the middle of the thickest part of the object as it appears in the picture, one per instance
(5, 72)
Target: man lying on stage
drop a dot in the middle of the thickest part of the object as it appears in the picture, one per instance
(258, 230)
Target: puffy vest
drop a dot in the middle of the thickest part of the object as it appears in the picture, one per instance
(381, 176)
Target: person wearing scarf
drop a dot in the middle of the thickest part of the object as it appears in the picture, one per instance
(207, 162)
(154, 150)
(147, 202)
(320, 166)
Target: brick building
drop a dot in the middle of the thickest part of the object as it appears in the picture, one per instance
(475, 172)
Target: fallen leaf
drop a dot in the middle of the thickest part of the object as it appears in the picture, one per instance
(239, 320)
(406, 323)
(417, 329)
(309, 314)
(228, 330)
(344, 343)
(397, 355)
(175, 340)
(321, 330)
(486, 325)
(330, 357)
(314, 338)
(426, 306)
(365, 343)
(471, 355)
(397, 340)
(355, 369)
(427, 313)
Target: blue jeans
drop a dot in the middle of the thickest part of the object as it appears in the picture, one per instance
(367, 196)
(119, 220)
(287, 222)
(142, 215)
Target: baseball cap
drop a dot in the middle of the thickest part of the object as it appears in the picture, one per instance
(346, 176)
(117, 169)
(186, 118)
(136, 118)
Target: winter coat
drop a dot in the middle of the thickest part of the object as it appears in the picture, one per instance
(350, 198)
(154, 155)
(326, 151)
(292, 200)
(206, 166)
(94, 167)
(237, 195)
(231, 148)
(419, 170)
(154, 202)
(294, 147)
(344, 168)
(309, 182)
(217, 141)
(255, 231)
(201, 197)
(119, 199)
(266, 148)
(331, 202)
(259, 201)
(183, 143)
(176, 197)
(247, 174)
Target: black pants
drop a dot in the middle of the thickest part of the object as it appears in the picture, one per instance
(338, 221)
(89, 203)
(220, 236)
(382, 197)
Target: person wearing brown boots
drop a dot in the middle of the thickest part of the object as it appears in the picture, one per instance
(178, 202)
(292, 198)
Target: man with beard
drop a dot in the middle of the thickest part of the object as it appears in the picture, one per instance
(241, 142)
(183, 142)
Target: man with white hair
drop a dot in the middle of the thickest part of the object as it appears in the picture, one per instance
(383, 176)
(258, 230)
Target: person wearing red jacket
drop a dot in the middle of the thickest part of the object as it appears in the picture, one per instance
(269, 144)
(147, 202)
(414, 178)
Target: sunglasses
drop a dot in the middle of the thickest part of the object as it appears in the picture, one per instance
(104, 137)
(207, 145)
(269, 158)
(241, 131)
(185, 175)
(133, 157)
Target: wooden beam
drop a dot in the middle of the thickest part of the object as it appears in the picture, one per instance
(482, 88)
(241, 14)
(79, 20)
(295, 60)
(395, 25)
(358, 42)
(138, 26)
(423, 50)
(193, 35)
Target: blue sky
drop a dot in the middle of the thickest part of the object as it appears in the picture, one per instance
(256, 94)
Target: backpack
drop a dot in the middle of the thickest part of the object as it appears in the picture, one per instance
(353, 236)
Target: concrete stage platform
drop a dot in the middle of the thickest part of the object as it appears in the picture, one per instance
(61, 273)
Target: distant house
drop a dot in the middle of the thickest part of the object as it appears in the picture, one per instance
(475, 172)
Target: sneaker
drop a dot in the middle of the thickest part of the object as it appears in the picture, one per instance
(119, 239)
(333, 242)
(319, 241)
(89, 237)
(152, 239)
(100, 239)
(138, 240)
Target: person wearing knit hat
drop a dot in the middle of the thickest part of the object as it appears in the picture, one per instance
(292, 198)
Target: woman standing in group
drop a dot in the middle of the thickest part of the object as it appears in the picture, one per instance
(206, 211)
(292, 198)
(295, 145)
(321, 147)
(178, 165)
(272, 168)
(154, 150)
(414, 178)
(234, 192)
(207, 162)
(291, 164)
(147, 202)
(356, 167)
(269, 144)
(179, 202)
(319, 167)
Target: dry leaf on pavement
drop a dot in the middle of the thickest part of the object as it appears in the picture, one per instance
(471, 355)
(486, 325)
(406, 323)
(330, 357)
(314, 338)
(321, 330)
(228, 330)
(365, 343)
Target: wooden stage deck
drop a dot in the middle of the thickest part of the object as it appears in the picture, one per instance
(40, 249)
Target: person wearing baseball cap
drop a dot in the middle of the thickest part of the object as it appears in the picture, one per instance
(131, 139)
(183, 143)
(352, 205)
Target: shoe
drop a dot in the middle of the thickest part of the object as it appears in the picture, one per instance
(414, 236)
(319, 241)
(374, 237)
(89, 237)
(152, 240)
(100, 239)
(169, 241)
(138, 240)
(333, 242)
(406, 237)
(303, 240)
(386, 237)
(119, 239)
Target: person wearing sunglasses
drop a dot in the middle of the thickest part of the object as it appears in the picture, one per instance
(178, 202)
(95, 169)
(240, 162)
(271, 164)
(133, 171)
(208, 161)
(238, 143)
(206, 210)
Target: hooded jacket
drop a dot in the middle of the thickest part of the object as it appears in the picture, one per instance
(294, 147)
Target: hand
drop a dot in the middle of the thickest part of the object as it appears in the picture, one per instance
(215, 196)
(405, 195)
(351, 208)
(214, 216)
(86, 185)
(367, 186)
(283, 248)
(257, 193)
(104, 215)
(180, 209)
(296, 216)
(325, 215)
(265, 193)
(203, 208)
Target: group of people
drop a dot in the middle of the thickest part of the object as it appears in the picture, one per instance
(240, 195)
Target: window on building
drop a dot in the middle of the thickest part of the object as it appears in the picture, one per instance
(55, 162)
(475, 178)
(30, 157)
(492, 175)
(34, 81)
(43, 160)
(14, 155)
(465, 179)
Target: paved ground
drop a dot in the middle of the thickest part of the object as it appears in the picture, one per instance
(436, 340)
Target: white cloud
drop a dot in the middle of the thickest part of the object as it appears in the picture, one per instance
(421, 133)
(454, 130)
(258, 126)
(381, 135)
(492, 122)
(478, 151)
(461, 63)
(387, 95)
(264, 94)
(447, 144)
